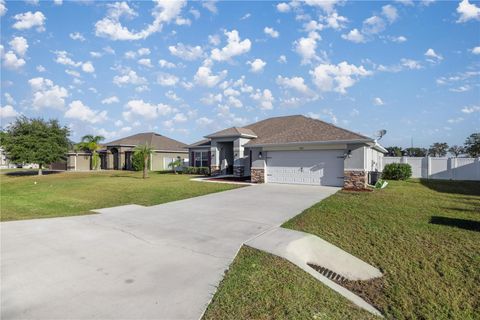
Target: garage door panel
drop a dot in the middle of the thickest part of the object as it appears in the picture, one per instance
(322, 167)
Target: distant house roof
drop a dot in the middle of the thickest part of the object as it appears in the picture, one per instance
(298, 129)
(155, 140)
(233, 132)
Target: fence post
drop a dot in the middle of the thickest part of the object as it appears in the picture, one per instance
(453, 166)
(429, 167)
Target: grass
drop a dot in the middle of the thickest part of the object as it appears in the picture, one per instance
(423, 235)
(69, 193)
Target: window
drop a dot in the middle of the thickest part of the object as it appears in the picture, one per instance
(201, 159)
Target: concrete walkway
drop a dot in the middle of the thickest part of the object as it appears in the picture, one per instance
(133, 262)
(302, 248)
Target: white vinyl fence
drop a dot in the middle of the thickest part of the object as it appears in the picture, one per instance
(440, 168)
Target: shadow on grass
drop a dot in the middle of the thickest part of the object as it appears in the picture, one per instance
(471, 188)
(31, 173)
(456, 223)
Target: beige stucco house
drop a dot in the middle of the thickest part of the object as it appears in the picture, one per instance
(117, 155)
(291, 149)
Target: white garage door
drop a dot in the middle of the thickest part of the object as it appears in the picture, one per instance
(323, 167)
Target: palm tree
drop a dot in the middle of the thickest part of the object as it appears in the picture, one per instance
(144, 150)
(91, 143)
(175, 164)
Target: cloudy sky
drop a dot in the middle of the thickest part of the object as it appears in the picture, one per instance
(186, 69)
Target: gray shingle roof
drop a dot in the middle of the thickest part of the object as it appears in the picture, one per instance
(298, 128)
(201, 143)
(155, 140)
(232, 132)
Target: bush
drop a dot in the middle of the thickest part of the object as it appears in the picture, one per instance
(397, 171)
(137, 162)
(204, 171)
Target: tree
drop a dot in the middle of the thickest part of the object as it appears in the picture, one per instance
(144, 150)
(472, 145)
(438, 149)
(92, 144)
(35, 141)
(456, 150)
(394, 151)
(175, 164)
(415, 152)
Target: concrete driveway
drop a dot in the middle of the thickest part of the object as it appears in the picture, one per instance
(133, 262)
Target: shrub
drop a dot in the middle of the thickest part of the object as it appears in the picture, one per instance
(397, 171)
(137, 162)
(196, 170)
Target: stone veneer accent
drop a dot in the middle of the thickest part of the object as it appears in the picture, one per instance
(239, 171)
(355, 180)
(215, 170)
(257, 175)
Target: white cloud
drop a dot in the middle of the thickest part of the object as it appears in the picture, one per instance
(378, 101)
(326, 5)
(338, 78)
(214, 39)
(88, 67)
(210, 6)
(58, 2)
(476, 50)
(110, 26)
(335, 21)
(172, 96)
(430, 53)
(398, 39)
(128, 76)
(195, 13)
(205, 77)
(63, 58)
(29, 20)
(77, 36)
(212, 99)
(11, 61)
(271, 32)
(165, 64)
(167, 79)
(233, 48)
(354, 36)
(264, 98)
(46, 94)
(8, 112)
(41, 68)
(73, 73)
(204, 121)
(282, 59)
(9, 98)
(186, 52)
(145, 62)
(390, 12)
(139, 53)
(3, 8)
(283, 7)
(373, 25)
(306, 47)
(146, 110)
(19, 45)
(467, 11)
(410, 64)
(296, 83)
(455, 120)
(471, 109)
(256, 65)
(78, 111)
(460, 89)
(406, 2)
(143, 52)
(95, 54)
(110, 100)
(246, 16)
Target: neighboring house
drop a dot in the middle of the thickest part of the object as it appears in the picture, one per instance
(117, 155)
(291, 149)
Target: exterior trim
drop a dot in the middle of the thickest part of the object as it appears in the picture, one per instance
(309, 143)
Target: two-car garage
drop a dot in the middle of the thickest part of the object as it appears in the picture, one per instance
(312, 167)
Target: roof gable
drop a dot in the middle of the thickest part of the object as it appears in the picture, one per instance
(155, 140)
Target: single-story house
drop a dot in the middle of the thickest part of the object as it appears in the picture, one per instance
(117, 155)
(291, 149)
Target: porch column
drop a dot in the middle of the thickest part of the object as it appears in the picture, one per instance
(214, 159)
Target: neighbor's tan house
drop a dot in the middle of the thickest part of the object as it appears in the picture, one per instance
(117, 155)
(291, 149)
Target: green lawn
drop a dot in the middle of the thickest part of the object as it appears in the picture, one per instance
(424, 236)
(73, 193)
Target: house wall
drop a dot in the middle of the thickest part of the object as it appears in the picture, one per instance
(78, 162)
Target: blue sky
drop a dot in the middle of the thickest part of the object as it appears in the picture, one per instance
(186, 69)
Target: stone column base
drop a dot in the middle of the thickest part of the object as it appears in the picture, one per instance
(239, 171)
(215, 170)
(257, 175)
(355, 180)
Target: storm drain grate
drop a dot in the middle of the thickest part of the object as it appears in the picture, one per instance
(328, 273)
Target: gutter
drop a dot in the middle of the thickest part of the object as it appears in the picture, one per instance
(367, 141)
